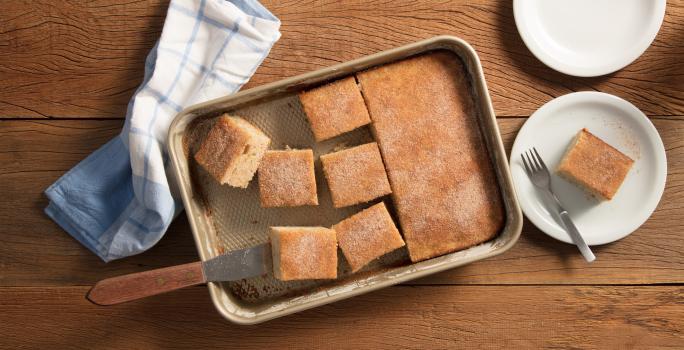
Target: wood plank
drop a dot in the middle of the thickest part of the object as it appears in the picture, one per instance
(36, 252)
(67, 59)
(74, 59)
(476, 317)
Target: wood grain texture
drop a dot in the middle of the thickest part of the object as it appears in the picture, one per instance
(34, 154)
(78, 59)
(36, 252)
(53, 52)
(402, 317)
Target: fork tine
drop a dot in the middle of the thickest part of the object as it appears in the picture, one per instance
(529, 163)
(527, 167)
(536, 161)
(541, 161)
(528, 157)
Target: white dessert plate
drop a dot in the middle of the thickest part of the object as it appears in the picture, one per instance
(588, 38)
(617, 122)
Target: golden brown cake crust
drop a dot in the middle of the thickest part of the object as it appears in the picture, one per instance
(334, 108)
(443, 183)
(595, 165)
(367, 235)
(287, 179)
(355, 175)
(221, 148)
(304, 253)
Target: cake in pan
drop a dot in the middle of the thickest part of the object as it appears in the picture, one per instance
(232, 150)
(302, 253)
(367, 235)
(443, 185)
(334, 108)
(287, 179)
(355, 175)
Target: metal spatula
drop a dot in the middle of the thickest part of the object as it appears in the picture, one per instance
(232, 266)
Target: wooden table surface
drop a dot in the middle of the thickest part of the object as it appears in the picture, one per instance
(68, 69)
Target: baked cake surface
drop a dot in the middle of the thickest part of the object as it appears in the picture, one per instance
(355, 175)
(334, 108)
(443, 184)
(287, 179)
(367, 235)
(594, 165)
(232, 150)
(302, 253)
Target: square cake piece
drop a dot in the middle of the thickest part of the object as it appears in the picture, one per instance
(287, 179)
(303, 253)
(334, 108)
(367, 235)
(355, 175)
(425, 122)
(232, 150)
(594, 165)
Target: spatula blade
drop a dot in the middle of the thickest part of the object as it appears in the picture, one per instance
(238, 264)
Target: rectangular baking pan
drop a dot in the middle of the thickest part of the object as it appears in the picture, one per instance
(220, 217)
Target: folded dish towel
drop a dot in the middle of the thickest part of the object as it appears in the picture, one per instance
(119, 201)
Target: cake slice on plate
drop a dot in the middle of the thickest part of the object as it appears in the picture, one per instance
(592, 164)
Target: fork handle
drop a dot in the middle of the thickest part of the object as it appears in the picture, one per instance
(577, 237)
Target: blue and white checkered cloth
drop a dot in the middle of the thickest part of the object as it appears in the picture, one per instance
(119, 201)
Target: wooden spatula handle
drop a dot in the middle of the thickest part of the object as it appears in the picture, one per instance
(125, 288)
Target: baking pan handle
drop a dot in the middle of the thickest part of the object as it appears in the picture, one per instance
(134, 286)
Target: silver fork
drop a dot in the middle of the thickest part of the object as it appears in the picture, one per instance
(539, 175)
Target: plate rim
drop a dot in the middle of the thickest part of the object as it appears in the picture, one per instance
(597, 97)
(619, 62)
